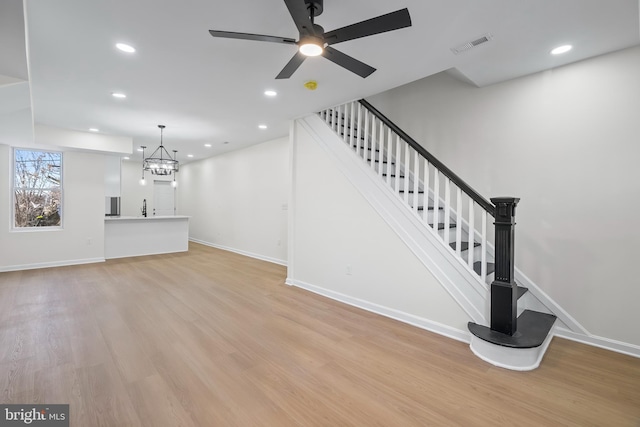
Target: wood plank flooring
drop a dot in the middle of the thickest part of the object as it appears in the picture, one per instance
(212, 338)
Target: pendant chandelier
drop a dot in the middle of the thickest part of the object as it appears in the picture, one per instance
(160, 161)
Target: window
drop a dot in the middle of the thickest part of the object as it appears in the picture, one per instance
(37, 188)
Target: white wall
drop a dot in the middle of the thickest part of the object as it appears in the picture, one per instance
(81, 238)
(238, 200)
(342, 248)
(567, 141)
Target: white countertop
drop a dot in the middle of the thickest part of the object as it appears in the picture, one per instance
(136, 218)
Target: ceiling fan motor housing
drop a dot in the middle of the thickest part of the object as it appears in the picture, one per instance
(317, 5)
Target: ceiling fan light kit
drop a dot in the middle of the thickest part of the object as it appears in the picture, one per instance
(314, 41)
(311, 46)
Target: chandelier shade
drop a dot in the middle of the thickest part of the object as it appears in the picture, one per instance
(160, 161)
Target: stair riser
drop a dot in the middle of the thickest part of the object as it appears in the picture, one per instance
(386, 168)
(477, 254)
(412, 197)
(437, 215)
(452, 234)
(392, 181)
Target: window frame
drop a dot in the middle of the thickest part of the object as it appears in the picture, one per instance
(14, 186)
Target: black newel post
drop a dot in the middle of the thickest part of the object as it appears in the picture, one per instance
(504, 292)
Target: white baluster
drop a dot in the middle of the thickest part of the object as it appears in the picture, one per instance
(339, 121)
(366, 135)
(407, 165)
(343, 122)
(425, 191)
(368, 143)
(359, 121)
(382, 140)
(483, 254)
(351, 131)
(459, 221)
(472, 234)
(447, 209)
(398, 164)
(376, 150)
(416, 181)
(436, 198)
(388, 157)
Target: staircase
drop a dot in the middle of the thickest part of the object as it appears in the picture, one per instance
(454, 212)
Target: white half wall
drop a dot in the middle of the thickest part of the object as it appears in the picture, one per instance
(566, 141)
(238, 201)
(81, 239)
(343, 249)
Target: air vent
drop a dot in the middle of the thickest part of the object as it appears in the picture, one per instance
(470, 45)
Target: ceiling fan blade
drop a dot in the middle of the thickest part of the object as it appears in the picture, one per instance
(248, 36)
(381, 24)
(291, 66)
(300, 15)
(346, 61)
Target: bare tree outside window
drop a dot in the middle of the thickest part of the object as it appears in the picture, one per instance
(37, 188)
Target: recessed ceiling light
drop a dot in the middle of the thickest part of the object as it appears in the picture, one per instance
(561, 49)
(126, 158)
(94, 130)
(207, 145)
(118, 95)
(125, 47)
(270, 93)
(262, 126)
(189, 155)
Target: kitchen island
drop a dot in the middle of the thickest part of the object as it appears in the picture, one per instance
(128, 236)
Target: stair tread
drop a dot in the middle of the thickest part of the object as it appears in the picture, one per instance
(491, 267)
(411, 191)
(441, 225)
(393, 175)
(533, 328)
(521, 290)
(463, 245)
(429, 208)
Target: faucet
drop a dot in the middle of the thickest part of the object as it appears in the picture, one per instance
(144, 208)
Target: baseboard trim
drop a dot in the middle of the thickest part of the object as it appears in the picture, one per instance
(601, 342)
(50, 264)
(146, 254)
(401, 316)
(241, 252)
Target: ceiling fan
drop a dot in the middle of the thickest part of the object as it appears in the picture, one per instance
(314, 41)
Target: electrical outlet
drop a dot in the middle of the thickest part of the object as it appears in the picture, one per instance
(279, 242)
(348, 271)
(89, 241)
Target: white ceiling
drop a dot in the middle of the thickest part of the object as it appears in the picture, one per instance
(210, 90)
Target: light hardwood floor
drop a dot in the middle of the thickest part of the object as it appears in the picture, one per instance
(211, 338)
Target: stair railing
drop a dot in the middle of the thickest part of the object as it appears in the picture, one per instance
(421, 181)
